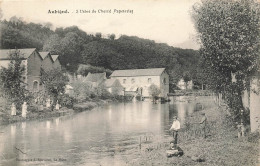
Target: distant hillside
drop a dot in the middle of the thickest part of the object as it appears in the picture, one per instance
(77, 47)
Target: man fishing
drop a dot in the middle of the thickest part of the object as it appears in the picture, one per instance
(175, 127)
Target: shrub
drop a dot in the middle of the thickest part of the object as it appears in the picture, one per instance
(82, 90)
(66, 101)
(154, 91)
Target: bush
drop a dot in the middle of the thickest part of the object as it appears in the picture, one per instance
(66, 101)
(5, 106)
(32, 108)
(128, 97)
(139, 97)
(82, 90)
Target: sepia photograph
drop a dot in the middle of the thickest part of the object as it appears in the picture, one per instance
(129, 82)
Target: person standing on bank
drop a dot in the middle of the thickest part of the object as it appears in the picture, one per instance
(175, 127)
(203, 122)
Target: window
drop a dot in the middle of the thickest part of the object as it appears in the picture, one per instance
(133, 80)
(124, 81)
(164, 81)
(35, 86)
(149, 80)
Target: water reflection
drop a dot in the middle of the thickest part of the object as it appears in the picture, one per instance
(23, 128)
(57, 121)
(13, 130)
(96, 136)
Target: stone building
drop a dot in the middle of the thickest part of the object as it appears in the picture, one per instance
(47, 61)
(56, 61)
(138, 81)
(33, 63)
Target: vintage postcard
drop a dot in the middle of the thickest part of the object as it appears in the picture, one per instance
(129, 82)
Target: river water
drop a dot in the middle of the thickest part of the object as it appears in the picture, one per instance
(103, 136)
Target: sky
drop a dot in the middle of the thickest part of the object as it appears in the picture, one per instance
(164, 21)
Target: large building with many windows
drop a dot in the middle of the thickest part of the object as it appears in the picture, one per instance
(138, 81)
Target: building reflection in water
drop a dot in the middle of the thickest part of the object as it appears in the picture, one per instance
(48, 124)
(57, 121)
(23, 127)
(13, 130)
(48, 127)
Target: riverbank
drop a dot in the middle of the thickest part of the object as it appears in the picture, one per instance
(191, 93)
(6, 118)
(221, 147)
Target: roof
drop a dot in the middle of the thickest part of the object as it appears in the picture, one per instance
(138, 72)
(112, 83)
(54, 57)
(95, 77)
(24, 53)
(109, 82)
(44, 54)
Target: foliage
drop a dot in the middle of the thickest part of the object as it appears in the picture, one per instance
(12, 87)
(66, 100)
(101, 92)
(18, 34)
(82, 90)
(154, 91)
(186, 78)
(85, 69)
(77, 47)
(54, 83)
(229, 34)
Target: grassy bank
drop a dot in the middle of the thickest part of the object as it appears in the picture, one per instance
(221, 147)
(6, 118)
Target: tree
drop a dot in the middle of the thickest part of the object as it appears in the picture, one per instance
(81, 90)
(112, 37)
(230, 41)
(12, 87)
(85, 69)
(154, 91)
(54, 83)
(186, 78)
(98, 35)
(52, 44)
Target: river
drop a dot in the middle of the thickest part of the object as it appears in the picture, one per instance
(103, 136)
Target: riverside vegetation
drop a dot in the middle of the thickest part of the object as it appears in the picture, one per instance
(221, 147)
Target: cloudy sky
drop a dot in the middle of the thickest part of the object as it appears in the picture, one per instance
(165, 21)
